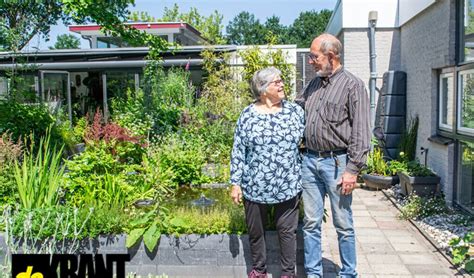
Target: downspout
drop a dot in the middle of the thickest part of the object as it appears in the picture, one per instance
(373, 70)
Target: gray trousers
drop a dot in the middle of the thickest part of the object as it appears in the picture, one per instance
(286, 219)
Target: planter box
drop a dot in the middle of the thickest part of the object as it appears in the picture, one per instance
(221, 255)
(421, 186)
(379, 182)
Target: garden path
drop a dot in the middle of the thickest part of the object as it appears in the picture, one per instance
(386, 245)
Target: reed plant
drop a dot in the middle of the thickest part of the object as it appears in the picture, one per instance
(39, 175)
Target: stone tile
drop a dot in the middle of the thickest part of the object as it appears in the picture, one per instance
(418, 259)
(394, 276)
(372, 239)
(377, 248)
(389, 225)
(397, 233)
(368, 232)
(414, 247)
(389, 269)
(383, 259)
(432, 276)
(426, 269)
(358, 213)
(364, 222)
(382, 213)
(358, 207)
(402, 239)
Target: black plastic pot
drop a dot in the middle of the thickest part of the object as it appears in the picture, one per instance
(379, 182)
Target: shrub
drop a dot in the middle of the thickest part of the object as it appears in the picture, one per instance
(130, 113)
(184, 156)
(10, 152)
(22, 120)
(416, 207)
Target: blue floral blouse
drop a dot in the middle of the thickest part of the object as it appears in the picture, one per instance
(265, 158)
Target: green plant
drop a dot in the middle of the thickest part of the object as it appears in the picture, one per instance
(416, 207)
(148, 226)
(38, 177)
(376, 165)
(255, 59)
(130, 112)
(185, 157)
(9, 153)
(460, 247)
(408, 140)
(22, 119)
(415, 169)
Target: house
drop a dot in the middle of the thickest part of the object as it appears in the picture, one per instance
(79, 80)
(432, 42)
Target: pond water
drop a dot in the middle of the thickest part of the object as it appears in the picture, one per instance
(187, 196)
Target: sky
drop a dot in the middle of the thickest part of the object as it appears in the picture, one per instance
(287, 10)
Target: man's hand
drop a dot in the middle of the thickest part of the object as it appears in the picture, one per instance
(347, 182)
(236, 194)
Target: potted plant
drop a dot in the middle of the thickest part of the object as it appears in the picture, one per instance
(379, 173)
(416, 178)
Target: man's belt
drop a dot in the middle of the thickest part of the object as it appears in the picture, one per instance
(325, 153)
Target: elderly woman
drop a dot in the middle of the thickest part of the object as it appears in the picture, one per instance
(265, 168)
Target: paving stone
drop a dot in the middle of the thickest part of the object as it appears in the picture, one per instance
(377, 248)
(426, 269)
(413, 247)
(359, 213)
(364, 222)
(418, 259)
(390, 269)
(389, 225)
(368, 232)
(383, 259)
(402, 239)
(397, 233)
(372, 239)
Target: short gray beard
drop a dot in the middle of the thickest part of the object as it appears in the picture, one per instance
(326, 71)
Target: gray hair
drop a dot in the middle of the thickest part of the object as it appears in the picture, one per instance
(330, 43)
(261, 79)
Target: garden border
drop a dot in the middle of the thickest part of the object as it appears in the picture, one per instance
(427, 236)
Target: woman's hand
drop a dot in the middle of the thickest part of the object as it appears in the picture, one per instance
(236, 194)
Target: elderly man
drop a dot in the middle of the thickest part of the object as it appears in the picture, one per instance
(337, 140)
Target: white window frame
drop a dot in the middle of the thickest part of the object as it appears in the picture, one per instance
(448, 127)
(461, 129)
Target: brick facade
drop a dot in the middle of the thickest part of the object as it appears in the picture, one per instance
(420, 47)
(428, 44)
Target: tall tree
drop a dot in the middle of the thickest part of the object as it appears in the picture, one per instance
(274, 28)
(210, 26)
(244, 29)
(22, 20)
(66, 41)
(307, 26)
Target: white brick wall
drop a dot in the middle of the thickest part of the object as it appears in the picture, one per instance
(427, 44)
(420, 47)
(356, 52)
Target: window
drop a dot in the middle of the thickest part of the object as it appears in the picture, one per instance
(467, 32)
(3, 87)
(446, 101)
(466, 102)
(465, 192)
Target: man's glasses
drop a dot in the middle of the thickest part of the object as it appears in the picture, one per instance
(313, 57)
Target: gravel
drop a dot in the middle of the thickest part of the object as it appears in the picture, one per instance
(442, 227)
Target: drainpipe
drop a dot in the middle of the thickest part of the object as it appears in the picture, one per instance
(373, 71)
(303, 59)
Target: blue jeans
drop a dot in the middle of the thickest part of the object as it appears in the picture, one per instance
(319, 177)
